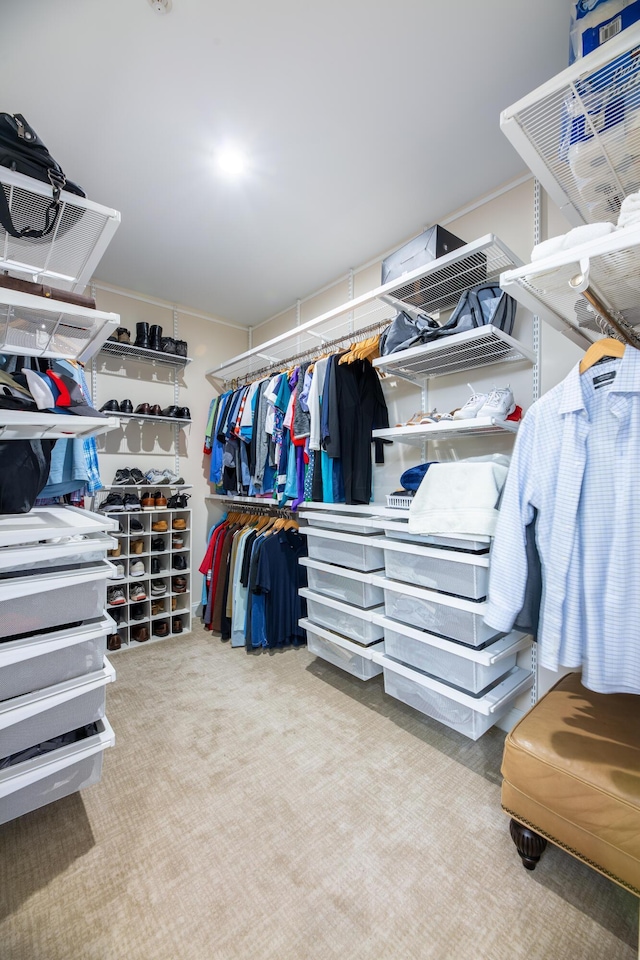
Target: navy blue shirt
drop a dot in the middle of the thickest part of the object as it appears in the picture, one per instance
(279, 576)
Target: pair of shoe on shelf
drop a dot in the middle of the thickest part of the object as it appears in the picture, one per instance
(121, 335)
(116, 503)
(132, 477)
(114, 640)
(153, 501)
(149, 337)
(498, 404)
(179, 562)
(157, 606)
(116, 595)
(161, 627)
(146, 409)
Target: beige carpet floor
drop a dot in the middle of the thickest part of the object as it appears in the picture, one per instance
(270, 806)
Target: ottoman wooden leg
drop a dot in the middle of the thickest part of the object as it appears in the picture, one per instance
(529, 845)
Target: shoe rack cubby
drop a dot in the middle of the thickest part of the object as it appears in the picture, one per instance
(135, 616)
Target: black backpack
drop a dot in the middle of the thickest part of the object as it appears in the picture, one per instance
(22, 150)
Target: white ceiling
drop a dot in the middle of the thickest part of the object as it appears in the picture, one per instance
(364, 121)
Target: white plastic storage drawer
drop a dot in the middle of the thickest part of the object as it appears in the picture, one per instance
(344, 522)
(351, 622)
(472, 670)
(53, 657)
(450, 617)
(471, 716)
(399, 530)
(49, 523)
(449, 571)
(65, 553)
(34, 783)
(33, 603)
(35, 717)
(345, 549)
(342, 652)
(350, 586)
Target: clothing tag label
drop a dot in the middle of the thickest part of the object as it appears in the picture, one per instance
(604, 378)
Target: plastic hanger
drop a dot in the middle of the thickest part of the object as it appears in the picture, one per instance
(608, 347)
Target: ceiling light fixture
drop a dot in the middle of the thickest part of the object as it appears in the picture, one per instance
(160, 6)
(231, 162)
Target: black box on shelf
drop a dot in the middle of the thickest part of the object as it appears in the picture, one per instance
(420, 251)
(441, 289)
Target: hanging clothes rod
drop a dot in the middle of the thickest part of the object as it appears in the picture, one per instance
(311, 353)
(262, 509)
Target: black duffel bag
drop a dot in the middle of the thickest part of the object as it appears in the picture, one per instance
(22, 150)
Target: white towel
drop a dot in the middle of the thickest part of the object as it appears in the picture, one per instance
(630, 211)
(547, 248)
(458, 497)
(587, 232)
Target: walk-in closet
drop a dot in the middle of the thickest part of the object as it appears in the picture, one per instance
(318, 453)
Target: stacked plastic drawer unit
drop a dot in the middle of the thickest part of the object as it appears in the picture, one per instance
(342, 601)
(53, 669)
(439, 656)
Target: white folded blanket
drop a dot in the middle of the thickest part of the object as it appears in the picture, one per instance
(547, 248)
(458, 497)
(575, 237)
(630, 211)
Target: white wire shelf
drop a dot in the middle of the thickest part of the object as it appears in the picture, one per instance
(480, 426)
(129, 351)
(612, 266)
(177, 421)
(70, 255)
(458, 353)
(434, 288)
(579, 133)
(146, 486)
(41, 327)
(23, 425)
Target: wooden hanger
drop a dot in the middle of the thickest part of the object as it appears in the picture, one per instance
(607, 347)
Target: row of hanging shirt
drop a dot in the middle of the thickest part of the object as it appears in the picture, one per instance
(252, 581)
(303, 434)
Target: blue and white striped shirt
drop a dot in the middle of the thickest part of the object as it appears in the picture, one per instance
(577, 460)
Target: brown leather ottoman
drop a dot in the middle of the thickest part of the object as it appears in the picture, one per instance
(571, 771)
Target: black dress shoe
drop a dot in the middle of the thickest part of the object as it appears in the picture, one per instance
(171, 411)
(184, 413)
(142, 335)
(138, 611)
(168, 345)
(143, 408)
(111, 406)
(126, 406)
(181, 348)
(179, 562)
(155, 410)
(157, 543)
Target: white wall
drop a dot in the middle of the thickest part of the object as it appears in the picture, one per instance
(148, 445)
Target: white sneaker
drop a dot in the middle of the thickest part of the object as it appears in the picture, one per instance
(499, 405)
(471, 407)
(136, 569)
(154, 477)
(119, 572)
